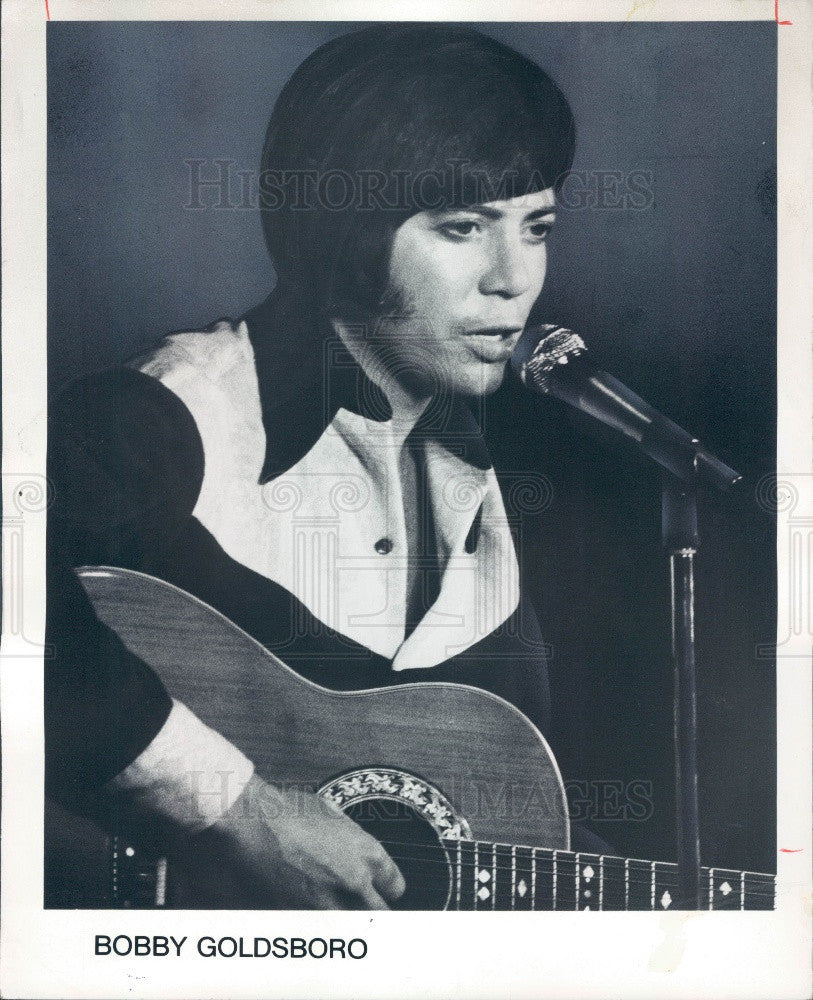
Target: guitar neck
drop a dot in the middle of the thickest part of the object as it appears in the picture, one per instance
(506, 877)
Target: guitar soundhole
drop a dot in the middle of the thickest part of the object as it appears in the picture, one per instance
(415, 847)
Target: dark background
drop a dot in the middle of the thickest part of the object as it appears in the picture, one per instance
(677, 298)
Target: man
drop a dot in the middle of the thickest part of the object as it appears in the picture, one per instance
(345, 393)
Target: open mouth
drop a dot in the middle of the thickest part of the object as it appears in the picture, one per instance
(493, 343)
(494, 331)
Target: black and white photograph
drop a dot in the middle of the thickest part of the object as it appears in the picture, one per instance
(412, 529)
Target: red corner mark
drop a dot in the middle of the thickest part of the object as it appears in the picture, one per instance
(791, 850)
(48, 13)
(775, 13)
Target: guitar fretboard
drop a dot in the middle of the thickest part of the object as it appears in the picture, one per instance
(504, 877)
(487, 876)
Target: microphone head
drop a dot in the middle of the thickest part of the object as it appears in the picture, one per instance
(540, 350)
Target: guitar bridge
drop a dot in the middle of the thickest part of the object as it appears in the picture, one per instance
(139, 876)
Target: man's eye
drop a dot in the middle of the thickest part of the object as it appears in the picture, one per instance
(460, 230)
(539, 232)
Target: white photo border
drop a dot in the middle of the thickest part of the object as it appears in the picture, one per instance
(49, 953)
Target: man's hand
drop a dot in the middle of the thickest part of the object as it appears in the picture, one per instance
(292, 849)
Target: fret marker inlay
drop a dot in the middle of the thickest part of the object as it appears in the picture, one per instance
(522, 888)
(588, 873)
(483, 893)
(666, 900)
(483, 875)
(725, 888)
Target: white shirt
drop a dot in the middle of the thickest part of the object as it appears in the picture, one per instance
(315, 530)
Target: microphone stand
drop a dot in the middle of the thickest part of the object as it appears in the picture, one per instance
(680, 539)
(553, 360)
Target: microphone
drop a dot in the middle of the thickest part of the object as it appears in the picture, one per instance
(553, 361)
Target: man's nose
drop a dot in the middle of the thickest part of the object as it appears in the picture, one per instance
(507, 272)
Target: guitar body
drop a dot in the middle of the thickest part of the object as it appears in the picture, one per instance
(443, 762)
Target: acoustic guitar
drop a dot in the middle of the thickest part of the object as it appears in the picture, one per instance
(458, 785)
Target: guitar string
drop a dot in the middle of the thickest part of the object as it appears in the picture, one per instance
(620, 880)
(546, 904)
(615, 879)
(664, 867)
(545, 867)
(754, 893)
(522, 863)
(569, 903)
(437, 855)
(608, 876)
(585, 857)
(751, 894)
(563, 898)
(553, 902)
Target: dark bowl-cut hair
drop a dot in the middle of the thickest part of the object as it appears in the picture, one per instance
(385, 122)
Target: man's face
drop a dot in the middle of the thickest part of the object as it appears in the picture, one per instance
(464, 281)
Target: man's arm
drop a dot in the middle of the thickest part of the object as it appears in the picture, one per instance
(126, 464)
(115, 448)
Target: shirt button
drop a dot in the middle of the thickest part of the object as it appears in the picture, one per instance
(383, 546)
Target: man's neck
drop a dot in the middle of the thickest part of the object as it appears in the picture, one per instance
(407, 405)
